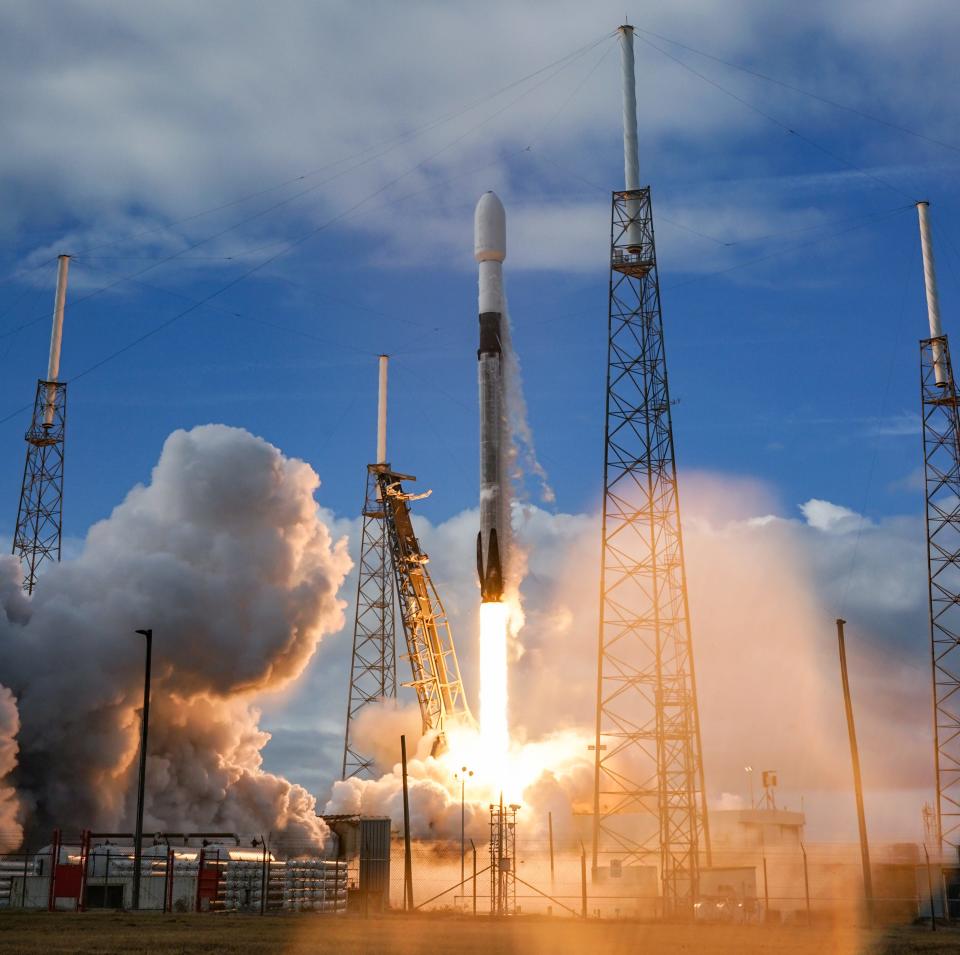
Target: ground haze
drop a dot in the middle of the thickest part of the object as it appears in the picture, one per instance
(295, 934)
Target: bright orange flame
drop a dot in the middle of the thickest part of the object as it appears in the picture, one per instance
(494, 731)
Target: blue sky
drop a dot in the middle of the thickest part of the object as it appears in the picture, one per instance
(299, 181)
(800, 368)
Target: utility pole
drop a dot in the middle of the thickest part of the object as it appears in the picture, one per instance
(407, 861)
(857, 783)
(144, 726)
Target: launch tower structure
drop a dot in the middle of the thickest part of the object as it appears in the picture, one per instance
(649, 800)
(373, 670)
(37, 537)
(391, 558)
(430, 649)
(941, 457)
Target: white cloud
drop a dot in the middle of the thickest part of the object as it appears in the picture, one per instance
(824, 516)
(157, 112)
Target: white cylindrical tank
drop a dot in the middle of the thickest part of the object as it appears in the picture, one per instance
(382, 411)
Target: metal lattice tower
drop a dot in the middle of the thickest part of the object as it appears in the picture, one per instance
(941, 460)
(36, 539)
(503, 857)
(373, 671)
(941, 431)
(648, 783)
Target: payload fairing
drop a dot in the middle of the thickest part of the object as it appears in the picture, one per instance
(490, 249)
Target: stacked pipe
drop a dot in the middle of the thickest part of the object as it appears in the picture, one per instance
(309, 885)
(242, 885)
(9, 870)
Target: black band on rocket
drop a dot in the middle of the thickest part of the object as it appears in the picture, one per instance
(489, 334)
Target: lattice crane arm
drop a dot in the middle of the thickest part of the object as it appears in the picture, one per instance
(430, 649)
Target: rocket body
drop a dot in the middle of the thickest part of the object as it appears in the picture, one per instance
(490, 250)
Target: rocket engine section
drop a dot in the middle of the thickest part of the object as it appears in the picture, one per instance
(490, 250)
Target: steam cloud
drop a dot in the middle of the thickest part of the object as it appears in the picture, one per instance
(765, 589)
(225, 556)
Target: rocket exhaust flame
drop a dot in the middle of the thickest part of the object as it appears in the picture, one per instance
(494, 734)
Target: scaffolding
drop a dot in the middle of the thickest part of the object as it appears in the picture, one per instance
(373, 671)
(941, 455)
(649, 806)
(503, 858)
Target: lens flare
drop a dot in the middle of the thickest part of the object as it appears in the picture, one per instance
(494, 733)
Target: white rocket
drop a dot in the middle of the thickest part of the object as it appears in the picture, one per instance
(490, 249)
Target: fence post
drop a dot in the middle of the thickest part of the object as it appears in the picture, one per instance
(473, 846)
(766, 891)
(550, 833)
(806, 880)
(933, 914)
(54, 861)
(583, 881)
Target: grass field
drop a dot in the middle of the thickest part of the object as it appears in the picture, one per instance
(425, 935)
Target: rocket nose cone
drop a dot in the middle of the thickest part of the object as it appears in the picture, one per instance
(490, 229)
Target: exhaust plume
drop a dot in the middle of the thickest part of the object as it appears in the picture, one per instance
(225, 556)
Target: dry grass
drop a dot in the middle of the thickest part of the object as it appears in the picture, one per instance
(425, 935)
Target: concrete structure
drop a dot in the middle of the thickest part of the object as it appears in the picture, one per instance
(756, 828)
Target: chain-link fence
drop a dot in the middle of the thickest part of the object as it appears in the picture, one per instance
(758, 884)
(783, 884)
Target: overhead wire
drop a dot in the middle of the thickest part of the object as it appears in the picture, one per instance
(803, 92)
(391, 142)
(295, 243)
(871, 470)
(860, 223)
(777, 122)
(558, 64)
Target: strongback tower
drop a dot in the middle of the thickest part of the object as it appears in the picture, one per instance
(36, 539)
(373, 670)
(649, 806)
(941, 457)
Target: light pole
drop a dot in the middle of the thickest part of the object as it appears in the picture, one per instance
(462, 776)
(145, 722)
(749, 771)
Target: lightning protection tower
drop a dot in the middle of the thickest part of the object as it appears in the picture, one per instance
(36, 539)
(649, 805)
(941, 431)
(373, 670)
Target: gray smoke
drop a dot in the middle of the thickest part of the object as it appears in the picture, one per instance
(225, 556)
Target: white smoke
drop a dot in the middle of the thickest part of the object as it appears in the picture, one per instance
(224, 555)
(765, 589)
(518, 455)
(522, 453)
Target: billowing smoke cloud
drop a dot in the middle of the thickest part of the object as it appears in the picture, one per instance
(11, 831)
(765, 588)
(225, 556)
